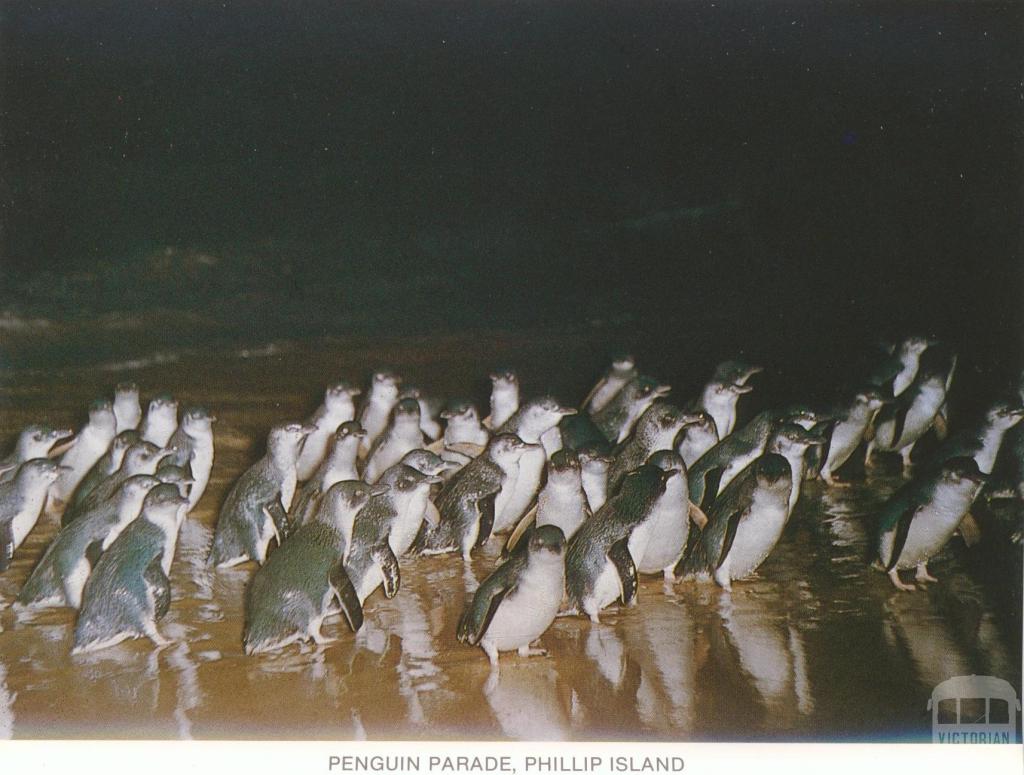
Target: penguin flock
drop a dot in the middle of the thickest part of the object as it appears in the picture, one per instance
(584, 500)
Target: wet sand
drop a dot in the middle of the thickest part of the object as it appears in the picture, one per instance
(817, 646)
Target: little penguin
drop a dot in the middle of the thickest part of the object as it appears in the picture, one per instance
(140, 458)
(376, 411)
(670, 523)
(463, 425)
(127, 409)
(467, 503)
(599, 563)
(338, 407)
(402, 435)
(338, 466)
(34, 441)
(517, 602)
(504, 397)
(129, 590)
(656, 429)
(106, 465)
(697, 438)
(594, 473)
(853, 423)
(562, 501)
(386, 529)
(305, 581)
(21, 503)
(918, 520)
(744, 523)
(161, 420)
(91, 442)
(792, 440)
(255, 509)
(622, 370)
(619, 415)
(192, 446)
(60, 575)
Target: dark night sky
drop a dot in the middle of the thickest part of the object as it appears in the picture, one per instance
(861, 159)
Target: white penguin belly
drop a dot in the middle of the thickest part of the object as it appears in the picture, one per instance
(314, 448)
(607, 589)
(407, 525)
(526, 613)
(527, 482)
(74, 583)
(24, 521)
(640, 539)
(845, 438)
(288, 485)
(372, 579)
(595, 487)
(930, 529)
(389, 453)
(756, 536)
(79, 459)
(563, 510)
(668, 535)
(201, 465)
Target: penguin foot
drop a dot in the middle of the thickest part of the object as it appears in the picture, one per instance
(158, 640)
(526, 651)
(894, 577)
(922, 575)
(492, 654)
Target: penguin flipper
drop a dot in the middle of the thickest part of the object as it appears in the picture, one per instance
(731, 526)
(388, 563)
(623, 562)
(159, 586)
(900, 538)
(485, 508)
(6, 545)
(481, 609)
(93, 552)
(522, 529)
(712, 481)
(275, 510)
(346, 596)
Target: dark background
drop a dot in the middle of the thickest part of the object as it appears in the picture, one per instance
(817, 171)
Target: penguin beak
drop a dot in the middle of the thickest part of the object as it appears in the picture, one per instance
(63, 446)
(211, 418)
(379, 489)
(307, 429)
(978, 477)
(662, 390)
(433, 480)
(741, 389)
(691, 419)
(567, 411)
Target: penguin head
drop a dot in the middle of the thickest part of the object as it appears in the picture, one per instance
(101, 414)
(644, 389)
(802, 415)
(349, 430)
(143, 458)
(37, 473)
(504, 380)
(872, 397)
(409, 480)
(286, 439)
(344, 499)
(701, 423)
(541, 414)
(126, 391)
(592, 460)
(196, 420)
(339, 396)
(791, 438)
(37, 440)
(406, 412)
(623, 365)
(962, 471)
(136, 487)
(547, 540)
(384, 386)
(178, 476)
(124, 441)
(735, 372)
(165, 506)
(667, 460)
(508, 448)
(164, 405)
(774, 472)
(426, 462)
(913, 346)
(564, 461)
(1005, 415)
(662, 419)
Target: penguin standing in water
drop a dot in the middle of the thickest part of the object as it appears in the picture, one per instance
(386, 529)
(376, 412)
(192, 447)
(670, 522)
(530, 422)
(622, 370)
(88, 447)
(61, 573)
(467, 503)
(918, 520)
(656, 429)
(34, 441)
(338, 466)
(129, 590)
(517, 603)
(562, 502)
(106, 466)
(256, 507)
(338, 407)
(744, 523)
(853, 421)
(697, 438)
(616, 420)
(21, 502)
(504, 397)
(402, 435)
(599, 564)
(127, 409)
(305, 580)
(161, 421)
(594, 474)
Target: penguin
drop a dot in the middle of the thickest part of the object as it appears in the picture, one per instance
(463, 425)
(338, 466)
(386, 529)
(517, 602)
(161, 420)
(600, 563)
(376, 411)
(594, 474)
(720, 397)
(430, 410)
(918, 520)
(256, 507)
(983, 440)
(338, 407)
(402, 435)
(744, 523)
(21, 503)
(656, 429)
(34, 441)
(622, 370)
(897, 372)
(697, 438)
(900, 425)
(192, 446)
(619, 415)
(127, 410)
(140, 458)
(106, 465)
(90, 443)
(530, 422)
(467, 503)
(853, 420)
(61, 573)
(735, 372)
(129, 590)
(670, 522)
(562, 501)
(504, 398)
(305, 579)
(792, 441)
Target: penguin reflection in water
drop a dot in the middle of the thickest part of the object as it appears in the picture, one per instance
(518, 601)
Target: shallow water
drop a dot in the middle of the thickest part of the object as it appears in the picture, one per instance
(818, 645)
